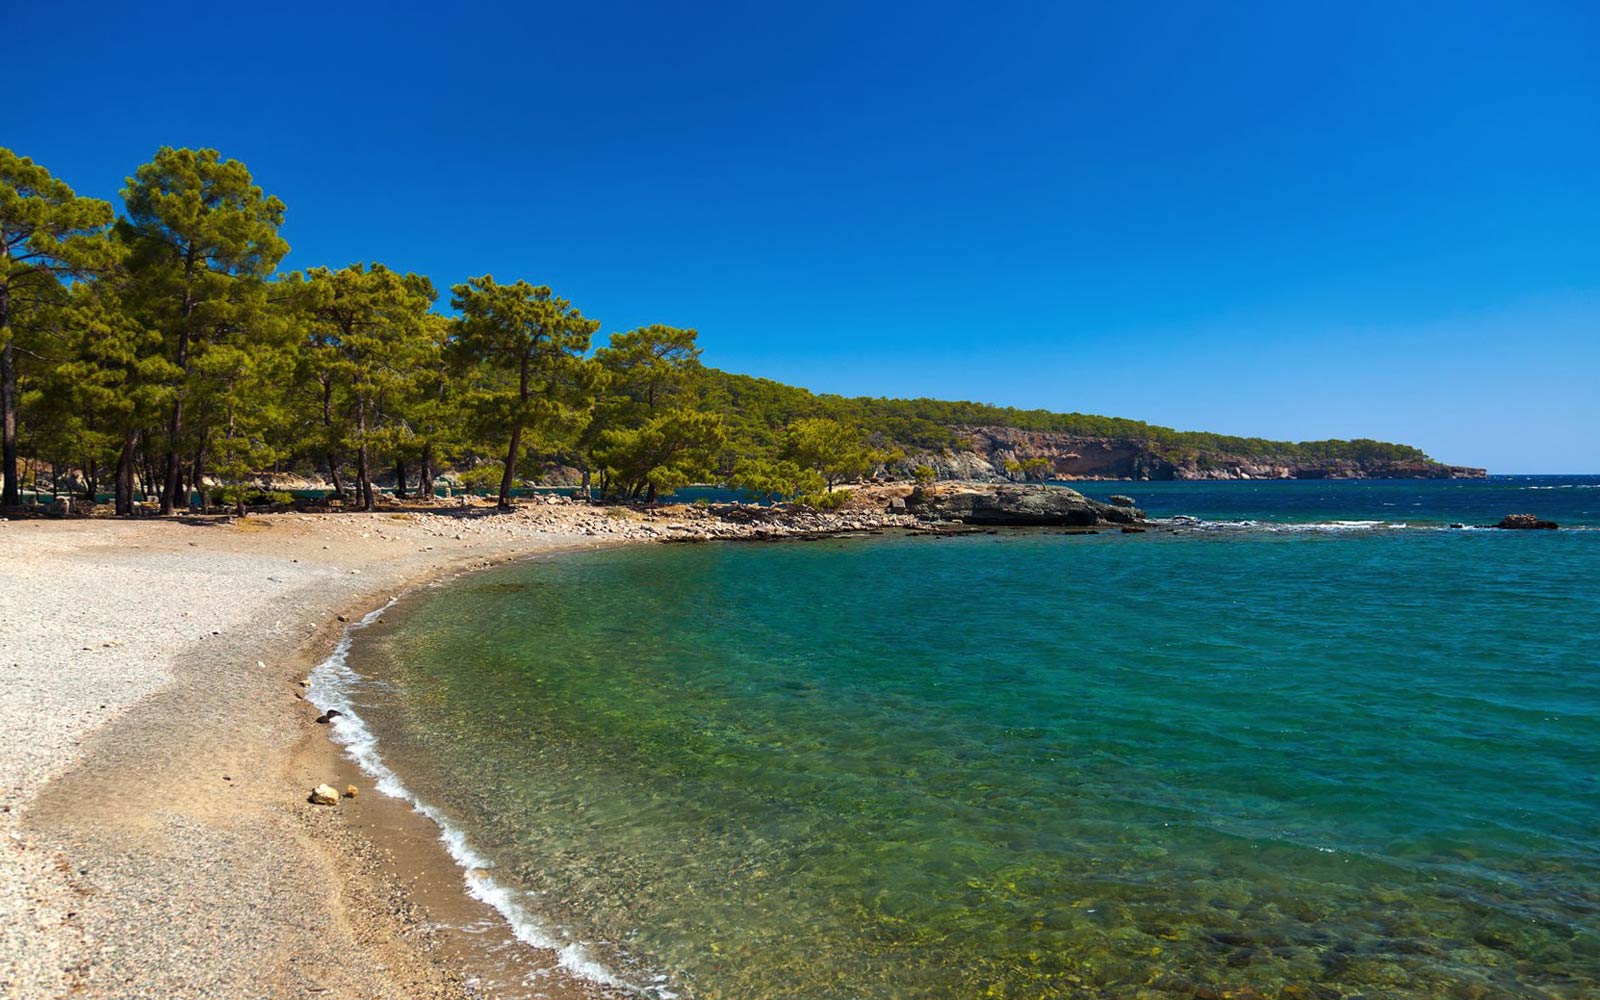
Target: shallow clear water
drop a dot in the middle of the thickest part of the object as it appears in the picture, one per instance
(1029, 764)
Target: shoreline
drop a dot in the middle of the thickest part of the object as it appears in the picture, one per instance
(158, 841)
(158, 751)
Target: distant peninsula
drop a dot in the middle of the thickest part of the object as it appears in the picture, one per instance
(158, 356)
(981, 442)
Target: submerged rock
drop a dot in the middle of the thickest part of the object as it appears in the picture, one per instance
(1015, 505)
(1525, 521)
(324, 795)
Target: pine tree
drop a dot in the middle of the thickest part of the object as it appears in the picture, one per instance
(531, 376)
(368, 330)
(205, 238)
(49, 237)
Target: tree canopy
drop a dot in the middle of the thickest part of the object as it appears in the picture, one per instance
(160, 350)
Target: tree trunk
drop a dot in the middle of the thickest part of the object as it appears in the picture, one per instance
(327, 423)
(425, 474)
(125, 465)
(11, 494)
(197, 475)
(504, 503)
(174, 435)
(399, 479)
(363, 470)
(175, 429)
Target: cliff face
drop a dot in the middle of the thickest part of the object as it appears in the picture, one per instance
(989, 449)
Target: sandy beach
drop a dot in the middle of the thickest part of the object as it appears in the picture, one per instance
(157, 753)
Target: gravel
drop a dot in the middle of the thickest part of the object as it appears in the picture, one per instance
(146, 659)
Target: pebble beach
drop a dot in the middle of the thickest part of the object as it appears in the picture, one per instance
(157, 750)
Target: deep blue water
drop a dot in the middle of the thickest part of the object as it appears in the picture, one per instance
(1567, 500)
(1291, 762)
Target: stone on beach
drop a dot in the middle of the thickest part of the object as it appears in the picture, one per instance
(324, 795)
(351, 791)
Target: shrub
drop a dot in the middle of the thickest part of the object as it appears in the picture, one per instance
(826, 501)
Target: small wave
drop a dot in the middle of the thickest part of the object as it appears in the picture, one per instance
(1186, 521)
(332, 682)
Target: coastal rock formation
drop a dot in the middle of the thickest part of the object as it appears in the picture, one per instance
(324, 795)
(1120, 500)
(988, 454)
(1525, 521)
(1014, 505)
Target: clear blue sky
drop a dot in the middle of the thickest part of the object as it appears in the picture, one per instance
(1289, 220)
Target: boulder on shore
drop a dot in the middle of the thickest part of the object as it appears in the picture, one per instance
(1015, 506)
(1525, 521)
(324, 795)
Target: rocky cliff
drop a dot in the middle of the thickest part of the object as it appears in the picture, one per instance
(985, 454)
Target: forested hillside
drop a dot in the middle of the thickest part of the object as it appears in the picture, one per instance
(158, 350)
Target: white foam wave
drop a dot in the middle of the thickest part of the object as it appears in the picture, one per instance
(1185, 521)
(332, 684)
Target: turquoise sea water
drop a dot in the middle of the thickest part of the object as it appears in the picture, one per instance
(1326, 761)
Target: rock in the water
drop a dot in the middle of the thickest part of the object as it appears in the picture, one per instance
(1121, 500)
(1524, 521)
(329, 716)
(1015, 505)
(324, 795)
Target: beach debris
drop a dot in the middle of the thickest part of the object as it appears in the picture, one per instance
(328, 716)
(261, 665)
(324, 795)
(341, 618)
(351, 791)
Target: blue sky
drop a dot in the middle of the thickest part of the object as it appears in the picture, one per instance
(1286, 220)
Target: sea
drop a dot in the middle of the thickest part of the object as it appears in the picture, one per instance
(1300, 740)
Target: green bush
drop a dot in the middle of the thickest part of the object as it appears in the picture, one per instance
(826, 501)
(484, 476)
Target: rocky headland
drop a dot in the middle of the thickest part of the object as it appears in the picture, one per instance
(1011, 505)
(991, 454)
